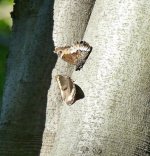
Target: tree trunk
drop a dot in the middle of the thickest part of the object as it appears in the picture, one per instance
(68, 28)
(113, 118)
(29, 68)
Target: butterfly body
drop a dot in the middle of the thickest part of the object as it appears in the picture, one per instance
(76, 54)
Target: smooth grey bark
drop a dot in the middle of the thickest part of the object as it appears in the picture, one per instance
(30, 63)
(113, 118)
(71, 18)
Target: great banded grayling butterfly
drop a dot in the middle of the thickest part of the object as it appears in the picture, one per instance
(76, 54)
(67, 89)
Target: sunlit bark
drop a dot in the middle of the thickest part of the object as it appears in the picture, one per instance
(113, 118)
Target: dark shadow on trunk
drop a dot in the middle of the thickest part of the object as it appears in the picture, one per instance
(79, 93)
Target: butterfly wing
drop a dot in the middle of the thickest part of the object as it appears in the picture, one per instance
(71, 58)
(67, 88)
(76, 54)
(81, 61)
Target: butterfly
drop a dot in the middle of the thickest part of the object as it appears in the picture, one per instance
(76, 54)
(67, 88)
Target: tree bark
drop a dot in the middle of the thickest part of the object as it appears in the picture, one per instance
(113, 118)
(68, 28)
(29, 68)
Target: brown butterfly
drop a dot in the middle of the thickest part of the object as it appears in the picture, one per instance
(76, 54)
(67, 89)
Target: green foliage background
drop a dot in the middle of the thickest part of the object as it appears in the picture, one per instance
(5, 29)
